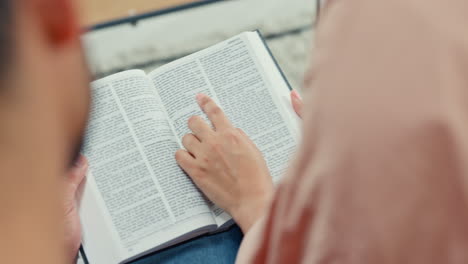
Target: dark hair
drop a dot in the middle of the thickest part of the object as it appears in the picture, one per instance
(5, 32)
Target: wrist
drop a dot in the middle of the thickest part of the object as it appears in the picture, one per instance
(249, 212)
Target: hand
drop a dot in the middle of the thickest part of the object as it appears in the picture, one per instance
(226, 165)
(296, 102)
(72, 220)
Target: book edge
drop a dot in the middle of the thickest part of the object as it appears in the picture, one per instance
(274, 59)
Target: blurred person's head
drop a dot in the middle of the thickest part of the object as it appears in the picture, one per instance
(44, 93)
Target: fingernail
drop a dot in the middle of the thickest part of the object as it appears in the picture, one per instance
(295, 94)
(294, 98)
(81, 162)
(200, 97)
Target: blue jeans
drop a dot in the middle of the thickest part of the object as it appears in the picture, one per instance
(219, 248)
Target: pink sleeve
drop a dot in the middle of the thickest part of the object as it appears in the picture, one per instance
(381, 175)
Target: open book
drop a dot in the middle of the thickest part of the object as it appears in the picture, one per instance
(137, 199)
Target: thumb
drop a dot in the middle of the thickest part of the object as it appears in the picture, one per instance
(296, 102)
(76, 174)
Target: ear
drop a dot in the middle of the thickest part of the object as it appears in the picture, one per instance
(59, 20)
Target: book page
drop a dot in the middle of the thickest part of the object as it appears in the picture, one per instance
(99, 240)
(232, 75)
(131, 146)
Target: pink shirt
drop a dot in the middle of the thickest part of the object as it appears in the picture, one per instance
(382, 173)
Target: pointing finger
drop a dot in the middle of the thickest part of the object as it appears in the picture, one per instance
(214, 112)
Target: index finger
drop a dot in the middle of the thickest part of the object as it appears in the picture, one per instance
(214, 112)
